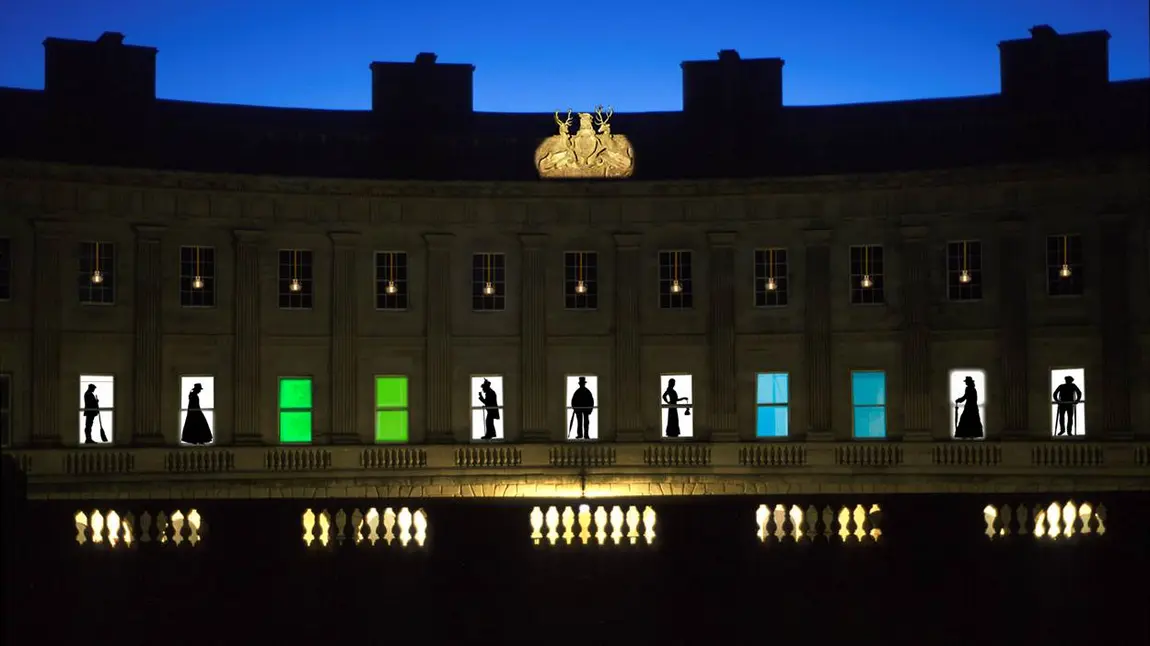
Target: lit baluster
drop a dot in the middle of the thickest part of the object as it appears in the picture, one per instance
(859, 518)
(404, 526)
(633, 524)
(372, 521)
(388, 526)
(761, 523)
(1039, 523)
(357, 525)
(194, 524)
(844, 522)
(796, 523)
(568, 525)
(81, 527)
(649, 525)
(419, 519)
(113, 528)
(616, 525)
(601, 525)
(1085, 512)
(129, 524)
(1100, 515)
(1053, 521)
(97, 526)
(536, 525)
(177, 527)
(584, 524)
(324, 528)
(162, 527)
(308, 526)
(874, 517)
(1069, 515)
(989, 513)
(552, 519)
(779, 516)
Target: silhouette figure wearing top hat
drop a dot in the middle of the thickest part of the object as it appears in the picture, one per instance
(672, 399)
(1067, 396)
(491, 409)
(582, 403)
(92, 413)
(969, 426)
(196, 428)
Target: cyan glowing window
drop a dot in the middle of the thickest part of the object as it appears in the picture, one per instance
(295, 409)
(771, 404)
(391, 409)
(868, 395)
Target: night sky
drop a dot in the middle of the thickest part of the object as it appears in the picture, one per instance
(539, 56)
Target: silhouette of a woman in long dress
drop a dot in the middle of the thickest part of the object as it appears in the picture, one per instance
(672, 399)
(969, 425)
(196, 428)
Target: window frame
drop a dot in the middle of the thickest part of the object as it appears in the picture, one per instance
(401, 268)
(568, 411)
(981, 402)
(1079, 422)
(90, 249)
(502, 408)
(867, 262)
(762, 260)
(883, 407)
(676, 269)
(975, 269)
(786, 406)
(281, 409)
(590, 279)
(496, 274)
(184, 409)
(1075, 242)
(101, 409)
(208, 291)
(304, 261)
(406, 409)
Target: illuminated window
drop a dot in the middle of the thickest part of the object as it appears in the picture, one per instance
(295, 409)
(402, 528)
(488, 282)
(1068, 402)
(868, 394)
(5, 410)
(964, 270)
(772, 410)
(582, 407)
(5, 269)
(581, 280)
(676, 402)
(771, 281)
(867, 280)
(969, 419)
(605, 526)
(675, 288)
(391, 409)
(97, 400)
(1064, 272)
(487, 407)
(197, 277)
(197, 410)
(390, 280)
(791, 523)
(296, 283)
(97, 278)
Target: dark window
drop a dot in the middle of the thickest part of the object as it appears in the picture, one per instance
(5, 410)
(964, 270)
(1064, 275)
(770, 277)
(675, 280)
(866, 275)
(197, 276)
(390, 280)
(5, 269)
(295, 279)
(581, 280)
(488, 282)
(97, 279)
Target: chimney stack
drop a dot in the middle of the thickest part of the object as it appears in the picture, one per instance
(425, 92)
(101, 72)
(732, 87)
(1052, 68)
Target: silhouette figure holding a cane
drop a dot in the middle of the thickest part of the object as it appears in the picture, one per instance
(1067, 397)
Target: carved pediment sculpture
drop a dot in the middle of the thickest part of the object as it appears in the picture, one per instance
(592, 152)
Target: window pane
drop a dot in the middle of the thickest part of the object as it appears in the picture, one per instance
(870, 422)
(391, 426)
(295, 393)
(868, 388)
(771, 421)
(391, 392)
(295, 427)
(771, 388)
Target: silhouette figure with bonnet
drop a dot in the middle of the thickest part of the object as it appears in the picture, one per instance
(969, 426)
(582, 403)
(672, 399)
(91, 414)
(1067, 396)
(491, 409)
(196, 428)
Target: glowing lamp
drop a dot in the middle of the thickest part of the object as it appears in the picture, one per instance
(197, 282)
(964, 277)
(867, 283)
(295, 285)
(488, 289)
(676, 287)
(771, 285)
(97, 277)
(391, 287)
(1065, 271)
(580, 287)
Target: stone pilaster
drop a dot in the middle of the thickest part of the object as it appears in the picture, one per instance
(439, 294)
(817, 334)
(628, 341)
(533, 338)
(148, 356)
(1117, 333)
(721, 338)
(46, 314)
(345, 307)
(916, 391)
(1012, 338)
(246, 352)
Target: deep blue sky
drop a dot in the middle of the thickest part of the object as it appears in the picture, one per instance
(538, 56)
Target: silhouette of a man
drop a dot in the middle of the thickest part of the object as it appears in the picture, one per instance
(1067, 396)
(582, 403)
(490, 402)
(91, 413)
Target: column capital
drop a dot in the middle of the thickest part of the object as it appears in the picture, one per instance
(249, 235)
(721, 238)
(627, 240)
(439, 240)
(343, 238)
(532, 240)
(817, 236)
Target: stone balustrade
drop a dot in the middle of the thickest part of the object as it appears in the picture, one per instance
(400, 528)
(609, 525)
(119, 528)
(781, 523)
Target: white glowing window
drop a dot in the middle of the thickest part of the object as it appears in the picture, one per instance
(582, 407)
(677, 404)
(1068, 401)
(968, 419)
(487, 407)
(97, 400)
(197, 410)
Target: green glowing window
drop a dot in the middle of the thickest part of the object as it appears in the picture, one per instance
(391, 409)
(295, 409)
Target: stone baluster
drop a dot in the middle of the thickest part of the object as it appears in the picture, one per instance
(817, 333)
(149, 342)
(439, 294)
(345, 308)
(916, 335)
(628, 373)
(1117, 337)
(46, 314)
(533, 337)
(246, 351)
(1014, 263)
(721, 338)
